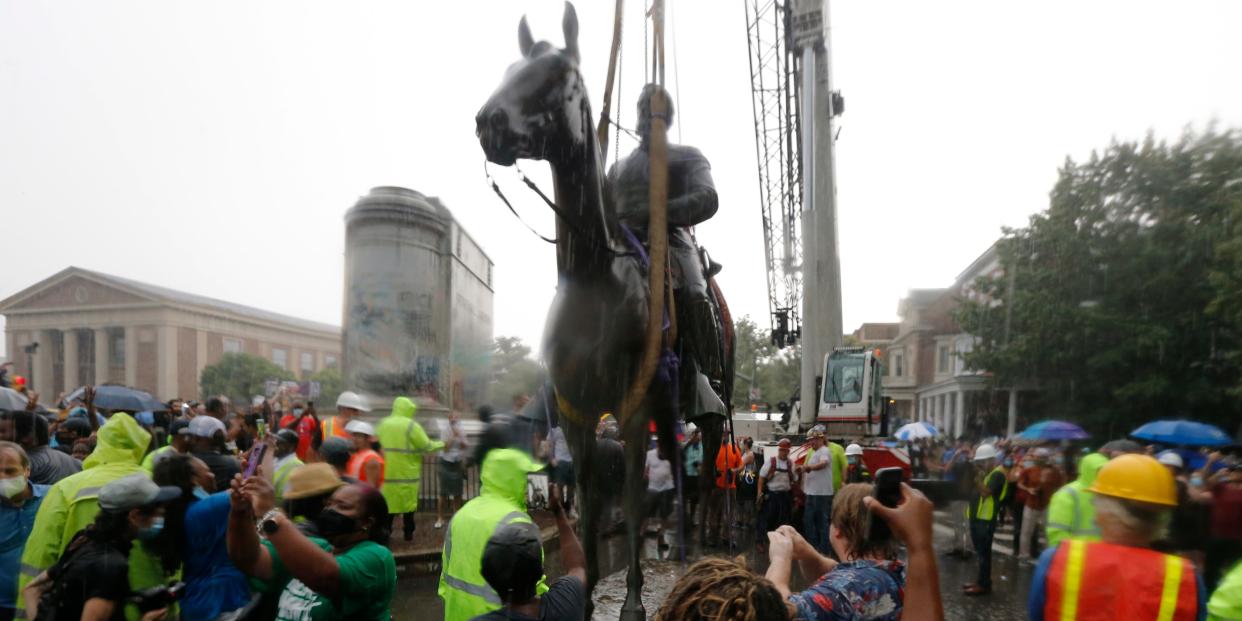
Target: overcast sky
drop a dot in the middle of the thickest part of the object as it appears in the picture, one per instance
(214, 147)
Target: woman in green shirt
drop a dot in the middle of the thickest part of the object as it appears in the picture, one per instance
(348, 574)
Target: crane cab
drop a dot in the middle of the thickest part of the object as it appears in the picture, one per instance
(851, 400)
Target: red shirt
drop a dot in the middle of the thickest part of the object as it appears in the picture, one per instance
(306, 429)
(1227, 512)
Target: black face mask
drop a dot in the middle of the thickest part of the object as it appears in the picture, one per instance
(331, 523)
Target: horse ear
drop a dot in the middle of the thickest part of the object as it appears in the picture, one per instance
(525, 41)
(569, 24)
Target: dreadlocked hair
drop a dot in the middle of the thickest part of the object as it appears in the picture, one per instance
(720, 589)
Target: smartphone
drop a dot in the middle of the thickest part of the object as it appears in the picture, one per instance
(887, 490)
(255, 458)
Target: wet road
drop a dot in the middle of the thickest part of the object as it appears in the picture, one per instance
(416, 595)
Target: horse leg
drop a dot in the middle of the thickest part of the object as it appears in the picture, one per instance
(581, 439)
(635, 497)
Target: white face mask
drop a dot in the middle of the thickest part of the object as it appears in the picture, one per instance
(10, 488)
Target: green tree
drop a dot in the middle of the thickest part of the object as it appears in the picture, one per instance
(513, 371)
(331, 384)
(1118, 303)
(240, 376)
(775, 372)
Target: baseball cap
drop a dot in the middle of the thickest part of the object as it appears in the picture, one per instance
(135, 491)
(1169, 458)
(311, 480)
(79, 426)
(179, 426)
(205, 426)
(816, 432)
(287, 435)
(335, 451)
(784, 443)
(513, 561)
(360, 426)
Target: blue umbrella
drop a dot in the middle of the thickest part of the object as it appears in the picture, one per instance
(1053, 430)
(1185, 432)
(915, 431)
(121, 398)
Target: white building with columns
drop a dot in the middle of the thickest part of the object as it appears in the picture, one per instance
(94, 328)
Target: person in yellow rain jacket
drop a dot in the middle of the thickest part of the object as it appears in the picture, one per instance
(1071, 513)
(501, 501)
(403, 443)
(72, 503)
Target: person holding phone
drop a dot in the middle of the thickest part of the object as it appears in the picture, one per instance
(869, 582)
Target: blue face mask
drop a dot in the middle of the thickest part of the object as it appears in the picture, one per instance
(200, 493)
(297, 411)
(151, 532)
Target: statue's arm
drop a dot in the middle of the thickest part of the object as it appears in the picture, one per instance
(699, 201)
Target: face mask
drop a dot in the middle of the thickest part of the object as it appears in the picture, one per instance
(1196, 481)
(853, 461)
(331, 523)
(297, 411)
(1028, 463)
(10, 488)
(200, 493)
(1008, 463)
(151, 532)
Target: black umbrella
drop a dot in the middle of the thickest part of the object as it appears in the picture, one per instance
(120, 398)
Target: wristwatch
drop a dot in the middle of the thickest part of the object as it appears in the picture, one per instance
(267, 525)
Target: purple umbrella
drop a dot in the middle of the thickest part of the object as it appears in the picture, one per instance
(1053, 430)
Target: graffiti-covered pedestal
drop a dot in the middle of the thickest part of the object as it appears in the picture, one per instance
(418, 303)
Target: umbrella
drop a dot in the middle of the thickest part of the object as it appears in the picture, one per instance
(1185, 432)
(915, 431)
(1053, 430)
(119, 398)
(12, 400)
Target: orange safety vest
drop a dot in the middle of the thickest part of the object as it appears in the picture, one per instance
(1096, 581)
(333, 428)
(356, 467)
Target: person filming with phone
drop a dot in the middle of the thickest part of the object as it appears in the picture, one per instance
(869, 582)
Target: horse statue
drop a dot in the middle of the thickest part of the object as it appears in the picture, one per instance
(593, 338)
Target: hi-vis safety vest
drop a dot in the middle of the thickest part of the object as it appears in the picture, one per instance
(358, 463)
(1094, 581)
(280, 478)
(985, 508)
(333, 428)
(403, 443)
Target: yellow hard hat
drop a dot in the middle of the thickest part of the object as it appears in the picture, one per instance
(1136, 477)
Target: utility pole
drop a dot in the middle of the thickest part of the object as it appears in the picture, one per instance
(821, 275)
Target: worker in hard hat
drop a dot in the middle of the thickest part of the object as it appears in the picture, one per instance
(1188, 524)
(855, 470)
(1071, 512)
(991, 489)
(364, 464)
(403, 442)
(349, 405)
(1120, 577)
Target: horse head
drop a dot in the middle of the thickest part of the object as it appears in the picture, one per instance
(540, 110)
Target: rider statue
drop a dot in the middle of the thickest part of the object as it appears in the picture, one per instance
(691, 200)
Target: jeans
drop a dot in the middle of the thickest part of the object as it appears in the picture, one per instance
(981, 533)
(1032, 524)
(815, 519)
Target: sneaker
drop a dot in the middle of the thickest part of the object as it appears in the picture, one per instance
(439, 523)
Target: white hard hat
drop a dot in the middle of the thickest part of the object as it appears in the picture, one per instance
(1169, 458)
(350, 399)
(360, 426)
(985, 451)
(853, 449)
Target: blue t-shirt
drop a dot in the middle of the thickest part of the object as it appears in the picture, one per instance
(855, 591)
(213, 585)
(1039, 588)
(15, 526)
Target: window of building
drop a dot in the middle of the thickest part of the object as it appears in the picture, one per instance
(942, 359)
(308, 362)
(899, 364)
(116, 348)
(280, 357)
(329, 361)
(232, 346)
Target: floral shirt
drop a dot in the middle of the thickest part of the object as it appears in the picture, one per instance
(859, 591)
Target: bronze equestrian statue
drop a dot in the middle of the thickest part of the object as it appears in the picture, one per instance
(593, 339)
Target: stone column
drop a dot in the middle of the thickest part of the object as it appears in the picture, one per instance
(131, 356)
(103, 361)
(70, 336)
(959, 424)
(166, 359)
(1013, 412)
(42, 382)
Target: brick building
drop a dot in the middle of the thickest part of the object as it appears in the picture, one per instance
(94, 328)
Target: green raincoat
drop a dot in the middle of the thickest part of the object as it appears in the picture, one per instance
(403, 442)
(502, 500)
(72, 503)
(1071, 512)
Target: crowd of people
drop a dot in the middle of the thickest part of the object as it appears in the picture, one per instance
(207, 511)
